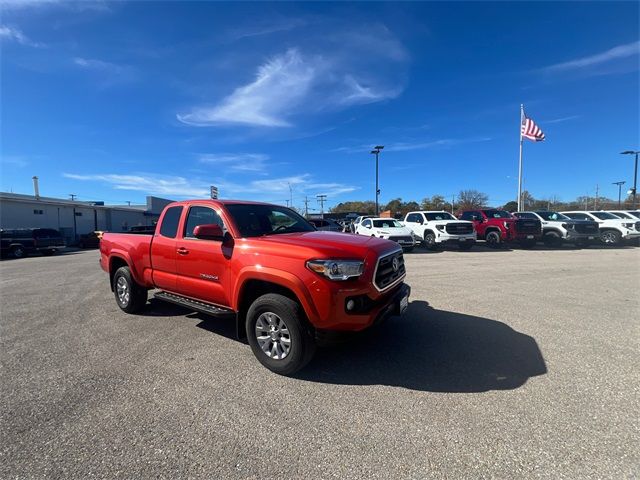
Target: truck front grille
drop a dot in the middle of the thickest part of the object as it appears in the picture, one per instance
(389, 270)
(528, 226)
(587, 228)
(459, 228)
(402, 239)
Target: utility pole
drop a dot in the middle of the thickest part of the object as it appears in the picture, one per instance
(595, 202)
(287, 200)
(306, 207)
(290, 193)
(619, 184)
(453, 199)
(376, 152)
(321, 200)
(73, 196)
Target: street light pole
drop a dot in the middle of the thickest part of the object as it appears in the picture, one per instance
(376, 152)
(619, 191)
(635, 175)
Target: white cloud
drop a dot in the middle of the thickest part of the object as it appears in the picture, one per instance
(407, 146)
(274, 188)
(93, 64)
(280, 84)
(75, 5)
(16, 161)
(108, 73)
(16, 35)
(616, 53)
(561, 119)
(238, 162)
(331, 68)
(148, 183)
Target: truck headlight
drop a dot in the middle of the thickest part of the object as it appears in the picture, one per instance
(440, 227)
(507, 225)
(628, 225)
(337, 269)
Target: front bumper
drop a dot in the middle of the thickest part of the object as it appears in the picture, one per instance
(631, 235)
(575, 237)
(455, 239)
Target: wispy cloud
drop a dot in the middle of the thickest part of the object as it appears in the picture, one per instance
(561, 119)
(181, 187)
(15, 35)
(76, 5)
(331, 72)
(237, 162)
(265, 27)
(407, 146)
(14, 161)
(620, 52)
(109, 73)
(281, 83)
(148, 183)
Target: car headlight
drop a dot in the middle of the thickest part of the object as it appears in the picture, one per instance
(337, 269)
(628, 225)
(440, 227)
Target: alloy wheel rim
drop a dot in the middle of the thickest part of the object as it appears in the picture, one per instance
(273, 336)
(122, 287)
(608, 237)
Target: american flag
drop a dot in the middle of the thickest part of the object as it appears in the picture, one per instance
(531, 131)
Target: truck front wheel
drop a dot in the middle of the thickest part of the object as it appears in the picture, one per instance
(493, 239)
(430, 240)
(130, 296)
(278, 335)
(610, 237)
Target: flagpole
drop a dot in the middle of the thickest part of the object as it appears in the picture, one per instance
(520, 160)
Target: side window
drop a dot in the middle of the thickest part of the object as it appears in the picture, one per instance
(366, 223)
(169, 227)
(467, 216)
(412, 217)
(526, 215)
(200, 216)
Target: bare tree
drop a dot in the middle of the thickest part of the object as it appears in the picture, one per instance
(470, 199)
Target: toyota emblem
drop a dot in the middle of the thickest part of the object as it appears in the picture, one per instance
(395, 264)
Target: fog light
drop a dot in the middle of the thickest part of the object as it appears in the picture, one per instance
(351, 305)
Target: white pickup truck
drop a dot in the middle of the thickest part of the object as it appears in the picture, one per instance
(440, 228)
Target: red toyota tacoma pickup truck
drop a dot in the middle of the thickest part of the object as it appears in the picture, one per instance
(285, 283)
(499, 226)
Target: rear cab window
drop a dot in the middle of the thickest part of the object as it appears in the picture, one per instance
(170, 221)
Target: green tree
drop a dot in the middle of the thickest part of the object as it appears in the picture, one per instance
(436, 202)
(366, 207)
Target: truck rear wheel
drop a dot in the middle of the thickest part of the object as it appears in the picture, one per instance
(277, 334)
(130, 296)
(17, 251)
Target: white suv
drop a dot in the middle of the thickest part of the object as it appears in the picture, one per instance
(612, 229)
(439, 228)
(558, 228)
(388, 228)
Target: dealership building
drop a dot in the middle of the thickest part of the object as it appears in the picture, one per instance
(73, 218)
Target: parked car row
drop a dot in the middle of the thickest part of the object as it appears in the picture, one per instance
(497, 227)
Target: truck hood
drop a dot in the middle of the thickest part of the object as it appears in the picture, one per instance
(393, 230)
(339, 245)
(447, 222)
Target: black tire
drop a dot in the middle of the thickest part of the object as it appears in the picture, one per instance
(430, 240)
(301, 341)
(18, 251)
(493, 239)
(611, 237)
(408, 249)
(466, 246)
(552, 239)
(137, 298)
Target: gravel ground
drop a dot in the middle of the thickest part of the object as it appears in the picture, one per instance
(508, 364)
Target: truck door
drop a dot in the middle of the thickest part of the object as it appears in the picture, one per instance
(163, 250)
(202, 266)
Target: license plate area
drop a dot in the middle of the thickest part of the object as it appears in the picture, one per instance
(529, 237)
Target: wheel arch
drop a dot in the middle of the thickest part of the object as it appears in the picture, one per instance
(116, 262)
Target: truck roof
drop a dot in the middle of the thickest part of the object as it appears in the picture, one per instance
(221, 202)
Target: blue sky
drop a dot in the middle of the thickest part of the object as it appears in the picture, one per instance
(114, 101)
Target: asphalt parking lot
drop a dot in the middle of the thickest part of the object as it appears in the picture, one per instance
(508, 364)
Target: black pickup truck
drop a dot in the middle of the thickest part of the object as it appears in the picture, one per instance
(20, 242)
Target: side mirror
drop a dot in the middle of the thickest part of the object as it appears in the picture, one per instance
(210, 231)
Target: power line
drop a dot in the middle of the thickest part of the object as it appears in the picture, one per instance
(321, 200)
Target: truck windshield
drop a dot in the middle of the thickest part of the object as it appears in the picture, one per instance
(552, 216)
(497, 214)
(605, 216)
(391, 223)
(439, 216)
(257, 220)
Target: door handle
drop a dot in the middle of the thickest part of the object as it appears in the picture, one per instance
(183, 251)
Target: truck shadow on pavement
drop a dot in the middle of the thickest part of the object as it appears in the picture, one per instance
(432, 350)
